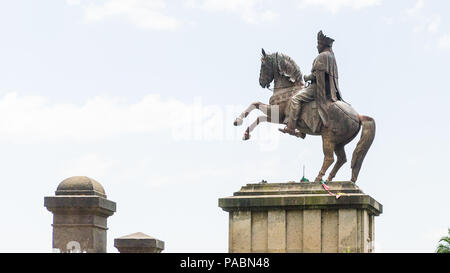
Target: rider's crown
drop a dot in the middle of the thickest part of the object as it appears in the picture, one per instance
(324, 40)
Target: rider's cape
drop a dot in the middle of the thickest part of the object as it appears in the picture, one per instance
(327, 85)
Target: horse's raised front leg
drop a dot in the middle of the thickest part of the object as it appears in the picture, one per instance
(328, 149)
(272, 115)
(341, 159)
(256, 105)
(254, 124)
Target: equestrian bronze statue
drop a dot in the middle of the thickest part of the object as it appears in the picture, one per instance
(315, 109)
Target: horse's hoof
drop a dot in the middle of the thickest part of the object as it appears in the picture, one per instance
(238, 122)
(246, 137)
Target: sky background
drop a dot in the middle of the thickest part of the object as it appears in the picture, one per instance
(141, 95)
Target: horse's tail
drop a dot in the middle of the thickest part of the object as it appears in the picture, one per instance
(367, 136)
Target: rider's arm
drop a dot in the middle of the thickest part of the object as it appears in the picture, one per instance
(320, 64)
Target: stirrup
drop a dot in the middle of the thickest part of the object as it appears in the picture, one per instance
(297, 133)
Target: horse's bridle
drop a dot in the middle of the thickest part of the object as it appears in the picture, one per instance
(274, 68)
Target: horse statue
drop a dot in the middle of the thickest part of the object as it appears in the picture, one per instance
(343, 127)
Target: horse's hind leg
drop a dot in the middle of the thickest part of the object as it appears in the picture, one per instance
(341, 159)
(256, 105)
(328, 148)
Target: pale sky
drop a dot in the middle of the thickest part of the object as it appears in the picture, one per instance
(141, 95)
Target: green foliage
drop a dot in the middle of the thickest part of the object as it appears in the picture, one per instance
(444, 246)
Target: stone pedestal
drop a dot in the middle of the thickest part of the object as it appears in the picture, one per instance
(301, 217)
(80, 211)
(138, 243)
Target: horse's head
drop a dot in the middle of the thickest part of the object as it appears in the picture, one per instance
(266, 73)
(279, 68)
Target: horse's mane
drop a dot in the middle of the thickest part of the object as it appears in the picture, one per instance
(288, 68)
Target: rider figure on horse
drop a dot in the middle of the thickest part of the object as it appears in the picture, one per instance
(324, 87)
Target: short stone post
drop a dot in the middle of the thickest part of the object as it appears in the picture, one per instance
(138, 243)
(80, 211)
(301, 217)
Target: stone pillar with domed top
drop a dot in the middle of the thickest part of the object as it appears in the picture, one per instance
(80, 211)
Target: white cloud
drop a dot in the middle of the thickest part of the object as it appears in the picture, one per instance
(434, 23)
(430, 23)
(444, 42)
(73, 2)
(250, 11)
(147, 14)
(422, 21)
(417, 8)
(33, 119)
(335, 6)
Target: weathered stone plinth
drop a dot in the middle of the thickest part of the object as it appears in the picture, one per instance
(138, 243)
(301, 217)
(80, 211)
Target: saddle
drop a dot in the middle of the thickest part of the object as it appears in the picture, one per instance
(341, 114)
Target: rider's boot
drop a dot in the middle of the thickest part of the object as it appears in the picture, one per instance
(294, 110)
(291, 128)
